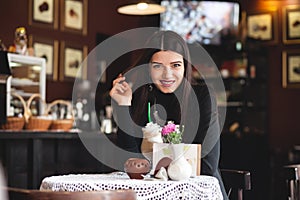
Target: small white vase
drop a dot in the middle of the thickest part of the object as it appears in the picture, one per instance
(179, 168)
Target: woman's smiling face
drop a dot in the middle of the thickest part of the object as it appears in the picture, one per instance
(167, 70)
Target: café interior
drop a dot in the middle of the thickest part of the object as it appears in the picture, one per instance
(257, 58)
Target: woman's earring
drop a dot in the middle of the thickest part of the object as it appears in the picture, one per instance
(150, 87)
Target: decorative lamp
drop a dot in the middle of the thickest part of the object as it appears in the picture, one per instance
(141, 8)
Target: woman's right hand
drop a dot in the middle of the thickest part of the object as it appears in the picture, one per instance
(121, 91)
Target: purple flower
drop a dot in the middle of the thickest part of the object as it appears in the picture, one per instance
(167, 129)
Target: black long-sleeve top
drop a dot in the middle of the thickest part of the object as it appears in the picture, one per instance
(201, 121)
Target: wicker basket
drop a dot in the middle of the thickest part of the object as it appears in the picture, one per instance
(15, 123)
(37, 123)
(61, 124)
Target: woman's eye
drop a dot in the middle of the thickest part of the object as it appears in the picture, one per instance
(156, 66)
(176, 65)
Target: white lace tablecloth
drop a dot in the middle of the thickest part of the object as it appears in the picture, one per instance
(200, 187)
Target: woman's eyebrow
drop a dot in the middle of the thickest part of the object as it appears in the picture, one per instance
(155, 62)
(176, 62)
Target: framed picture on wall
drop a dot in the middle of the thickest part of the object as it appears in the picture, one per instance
(262, 26)
(48, 49)
(72, 66)
(291, 69)
(291, 24)
(43, 13)
(74, 16)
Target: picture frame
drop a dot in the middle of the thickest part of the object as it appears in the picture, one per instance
(48, 49)
(72, 56)
(291, 68)
(43, 13)
(291, 24)
(262, 26)
(74, 16)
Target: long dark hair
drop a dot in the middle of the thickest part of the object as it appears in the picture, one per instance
(161, 41)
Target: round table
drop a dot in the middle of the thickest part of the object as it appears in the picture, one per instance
(200, 187)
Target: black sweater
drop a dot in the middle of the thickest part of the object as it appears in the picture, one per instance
(201, 119)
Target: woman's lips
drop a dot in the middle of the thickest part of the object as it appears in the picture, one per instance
(167, 83)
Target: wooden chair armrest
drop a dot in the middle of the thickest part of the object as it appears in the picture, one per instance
(238, 179)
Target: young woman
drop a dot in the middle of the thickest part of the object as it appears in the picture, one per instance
(162, 78)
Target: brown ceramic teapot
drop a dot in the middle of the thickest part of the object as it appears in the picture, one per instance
(136, 167)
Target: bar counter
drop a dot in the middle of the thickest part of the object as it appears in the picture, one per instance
(29, 156)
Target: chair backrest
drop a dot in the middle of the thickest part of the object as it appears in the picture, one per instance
(292, 176)
(3, 192)
(25, 194)
(236, 180)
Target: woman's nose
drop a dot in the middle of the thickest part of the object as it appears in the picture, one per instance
(167, 72)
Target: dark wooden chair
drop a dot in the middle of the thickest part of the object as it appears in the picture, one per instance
(25, 194)
(292, 176)
(236, 181)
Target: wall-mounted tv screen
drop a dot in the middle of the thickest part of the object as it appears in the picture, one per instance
(202, 22)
